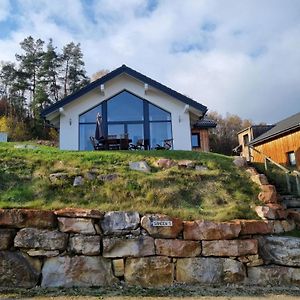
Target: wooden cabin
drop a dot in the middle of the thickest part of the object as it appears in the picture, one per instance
(281, 143)
(200, 134)
(249, 134)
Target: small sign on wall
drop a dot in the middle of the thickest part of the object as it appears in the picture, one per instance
(162, 223)
(3, 137)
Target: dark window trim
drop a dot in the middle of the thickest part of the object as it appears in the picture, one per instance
(289, 160)
(146, 120)
(198, 139)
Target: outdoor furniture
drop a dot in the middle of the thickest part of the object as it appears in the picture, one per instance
(167, 145)
(98, 145)
(140, 145)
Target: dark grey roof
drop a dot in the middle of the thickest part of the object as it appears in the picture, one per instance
(205, 123)
(133, 73)
(258, 130)
(285, 126)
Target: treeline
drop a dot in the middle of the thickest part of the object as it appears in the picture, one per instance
(224, 137)
(40, 76)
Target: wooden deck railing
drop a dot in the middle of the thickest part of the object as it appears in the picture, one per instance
(287, 172)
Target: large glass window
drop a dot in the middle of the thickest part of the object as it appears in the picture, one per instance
(195, 140)
(125, 107)
(85, 131)
(126, 113)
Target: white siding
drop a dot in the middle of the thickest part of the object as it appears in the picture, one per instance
(69, 120)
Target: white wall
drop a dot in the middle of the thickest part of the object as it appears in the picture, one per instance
(69, 127)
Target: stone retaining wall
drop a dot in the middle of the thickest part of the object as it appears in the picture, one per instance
(76, 247)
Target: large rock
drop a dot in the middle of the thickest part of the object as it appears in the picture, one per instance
(149, 271)
(118, 267)
(165, 163)
(20, 218)
(79, 213)
(188, 164)
(229, 247)
(280, 250)
(42, 239)
(240, 161)
(41, 252)
(76, 225)
(85, 244)
(141, 166)
(81, 271)
(135, 247)
(120, 223)
(273, 275)
(6, 238)
(177, 248)
(209, 270)
(256, 227)
(283, 226)
(234, 271)
(18, 270)
(271, 211)
(268, 194)
(207, 230)
(171, 231)
(260, 179)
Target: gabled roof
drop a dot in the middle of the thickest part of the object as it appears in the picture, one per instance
(282, 127)
(205, 123)
(133, 73)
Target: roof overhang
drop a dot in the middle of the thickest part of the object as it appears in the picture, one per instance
(194, 106)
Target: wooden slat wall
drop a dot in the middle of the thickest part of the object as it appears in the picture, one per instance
(278, 148)
(203, 139)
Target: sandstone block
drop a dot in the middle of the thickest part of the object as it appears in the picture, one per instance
(79, 213)
(85, 244)
(251, 260)
(141, 166)
(273, 275)
(256, 227)
(77, 271)
(268, 194)
(165, 163)
(240, 161)
(118, 267)
(148, 222)
(43, 239)
(20, 218)
(149, 271)
(120, 223)
(229, 247)
(251, 171)
(280, 250)
(188, 164)
(207, 230)
(6, 238)
(177, 248)
(199, 270)
(265, 212)
(260, 179)
(76, 225)
(234, 271)
(18, 270)
(41, 252)
(205, 270)
(135, 247)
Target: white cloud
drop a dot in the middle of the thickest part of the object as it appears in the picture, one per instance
(233, 56)
(4, 9)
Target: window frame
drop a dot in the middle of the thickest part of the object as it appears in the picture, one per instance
(146, 118)
(198, 140)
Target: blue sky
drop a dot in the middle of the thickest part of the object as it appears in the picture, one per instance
(236, 56)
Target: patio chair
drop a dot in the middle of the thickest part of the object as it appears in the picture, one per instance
(168, 144)
(140, 145)
(98, 145)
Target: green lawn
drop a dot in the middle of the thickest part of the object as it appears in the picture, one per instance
(222, 192)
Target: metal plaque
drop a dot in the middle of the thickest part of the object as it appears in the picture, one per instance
(162, 223)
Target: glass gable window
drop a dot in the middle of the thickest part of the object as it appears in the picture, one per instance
(127, 114)
(125, 107)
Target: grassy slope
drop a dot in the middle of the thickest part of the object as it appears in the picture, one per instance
(220, 193)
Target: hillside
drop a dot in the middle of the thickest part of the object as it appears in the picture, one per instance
(216, 191)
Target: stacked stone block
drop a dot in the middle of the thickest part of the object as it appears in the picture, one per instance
(83, 247)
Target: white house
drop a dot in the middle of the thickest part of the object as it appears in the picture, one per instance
(129, 103)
